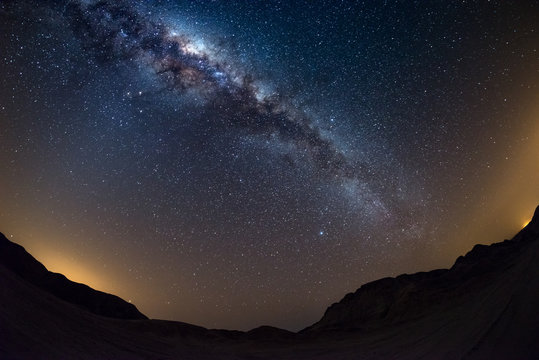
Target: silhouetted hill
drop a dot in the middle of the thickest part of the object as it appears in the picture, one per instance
(491, 290)
(485, 307)
(15, 258)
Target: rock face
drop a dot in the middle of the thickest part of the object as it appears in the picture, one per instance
(15, 258)
(491, 290)
(393, 300)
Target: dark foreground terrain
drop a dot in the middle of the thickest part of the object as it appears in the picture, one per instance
(485, 307)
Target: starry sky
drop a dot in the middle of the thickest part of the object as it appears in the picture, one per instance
(238, 163)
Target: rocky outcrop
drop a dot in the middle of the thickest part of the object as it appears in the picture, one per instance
(15, 258)
(391, 301)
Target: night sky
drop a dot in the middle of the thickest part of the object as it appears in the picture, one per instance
(238, 163)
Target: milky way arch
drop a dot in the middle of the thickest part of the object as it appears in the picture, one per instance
(115, 31)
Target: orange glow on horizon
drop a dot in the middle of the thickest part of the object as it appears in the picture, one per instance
(72, 269)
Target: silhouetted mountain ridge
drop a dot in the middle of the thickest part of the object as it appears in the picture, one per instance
(486, 306)
(17, 259)
(390, 301)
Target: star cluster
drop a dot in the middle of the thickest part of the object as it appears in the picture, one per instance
(233, 163)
